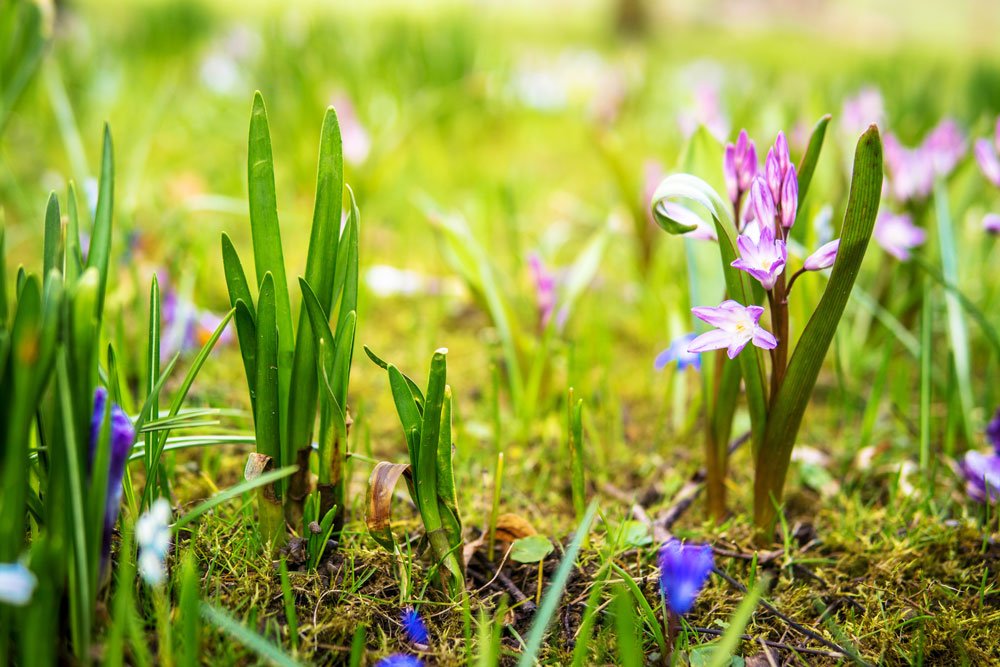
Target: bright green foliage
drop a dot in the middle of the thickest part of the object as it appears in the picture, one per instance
(291, 371)
(427, 428)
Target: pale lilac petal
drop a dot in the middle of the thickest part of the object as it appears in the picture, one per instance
(773, 175)
(717, 317)
(986, 156)
(710, 340)
(755, 312)
(736, 346)
(762, 203)
(823, 258)
(764, 339)
(789, 197)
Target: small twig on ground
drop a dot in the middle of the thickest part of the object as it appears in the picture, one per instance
(798, 627)
(715, 632)
(525, 602)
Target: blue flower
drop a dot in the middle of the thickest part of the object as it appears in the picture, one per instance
(678, 351)
(121, 438)
(993, 432)
(414, 627)
(399, 660)
(17, 584)
(684, 569)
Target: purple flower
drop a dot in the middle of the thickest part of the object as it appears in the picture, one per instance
(761, 206)
(736, 325)
(991, 223)
(910, 170)
(982, 476)
(860, 111)
(945, 145)
(739, 166)
(897, 234)
(986, 156)
(993, 432)
(789, 197)
(763, 258)
(773, 174)
(684, 569)
(185, 326)
(823, 258)
(678, 351)
(545, 289)
(121, 438)
(399, 660)
(413, 626)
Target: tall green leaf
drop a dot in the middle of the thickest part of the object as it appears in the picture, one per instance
(99, 253)
(803, 369)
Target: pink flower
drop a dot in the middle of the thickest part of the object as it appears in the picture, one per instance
(545, 289)
(860, 111)
(761, 255)
(761, 206)
(356, 142)
(897, 234)
(739, 166)
(945, 145)
(823, 258)
(736, 325)
(910, 170)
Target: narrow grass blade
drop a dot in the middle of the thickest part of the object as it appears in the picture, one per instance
(234, 491)
(722, 656)
(99, 253)
(244, 635)
(807, 166)
(554, 593)
(52, 252)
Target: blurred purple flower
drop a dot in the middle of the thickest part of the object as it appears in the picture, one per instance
(910, 170)
(356, 142)
(861, 110)
(823, 258)
(706, 110)
(945, 145)
(762, 257)
(684, 570)
(736, 325)
(897, 234)
(678, 351)
(982, 476)
(991, 223)
(399, 660)
(185, 326)
(989, 163)
(545, 289)
(120, 440)
(413, 626)
(993, 432)
(739, 166)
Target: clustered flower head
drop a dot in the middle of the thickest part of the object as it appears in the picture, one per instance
(678, 351)
(739, 166)
(782, 184)
(17, 584)
(897, 234)
(736, 325)
(152, 534)
(982, 471)
(684, 569)
(121, 438)
(986, 151)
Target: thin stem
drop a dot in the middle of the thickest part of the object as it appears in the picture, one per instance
(788, 289)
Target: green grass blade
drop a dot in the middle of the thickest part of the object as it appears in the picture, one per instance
(234, 491)
(554, 593)
(722, 656)
(807, 167)
(236, 278)
(267, 250)
(803, 369)
(418, 394)
(268, 393)
(246, 333)
(325, 235)
(99, 254)
(244, 635)
(52, 252)
(629, 647)
(648, 614)
(958, 332)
